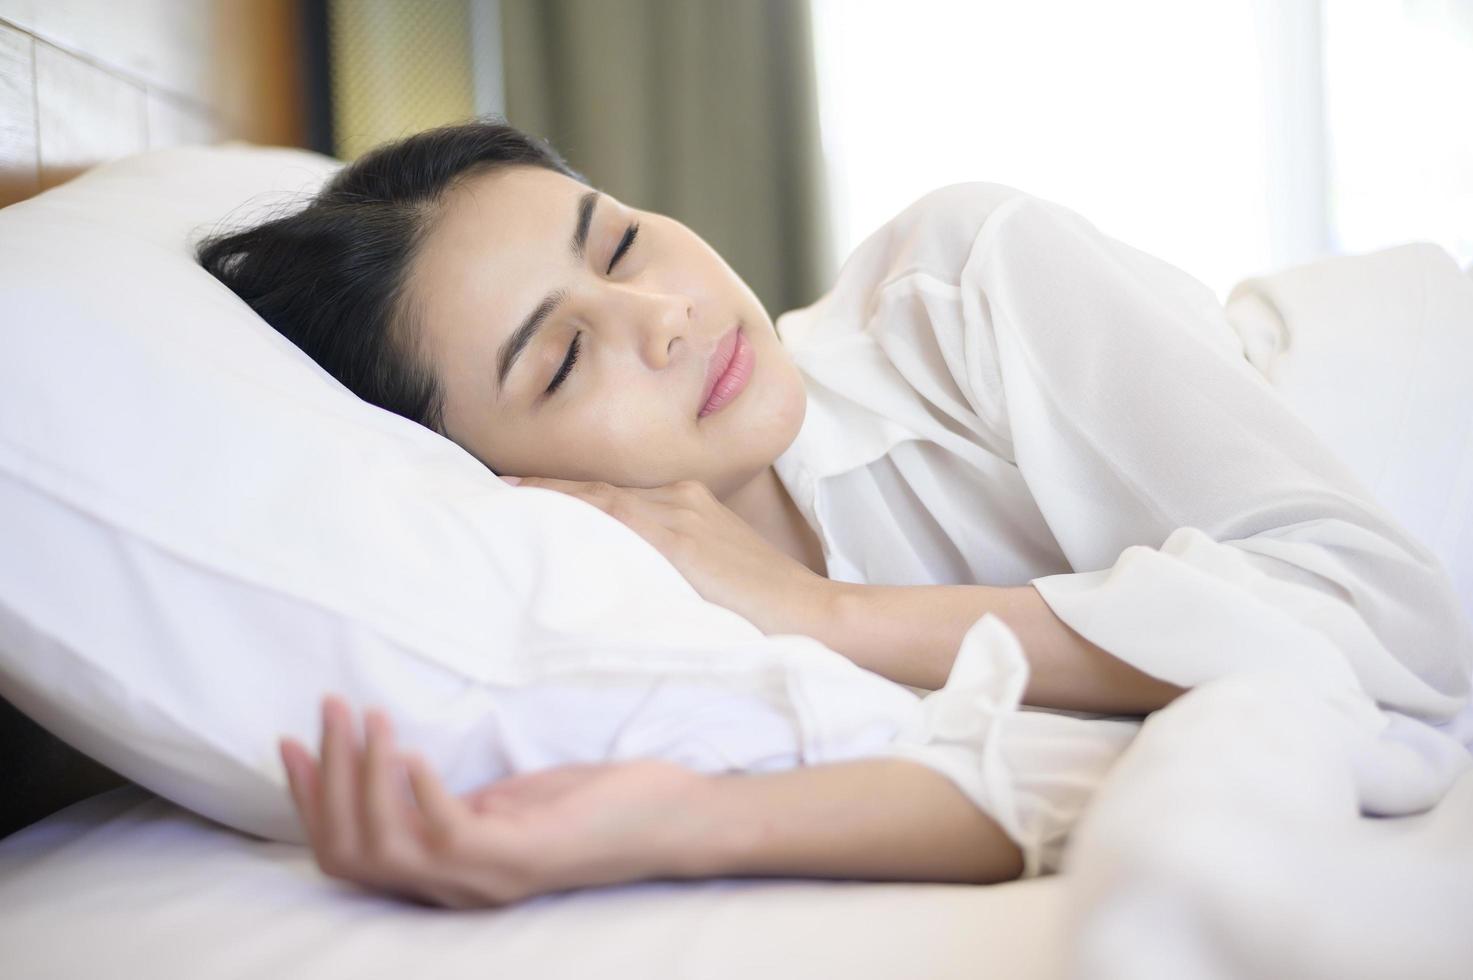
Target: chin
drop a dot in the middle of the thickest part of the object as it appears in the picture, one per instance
(782, 416)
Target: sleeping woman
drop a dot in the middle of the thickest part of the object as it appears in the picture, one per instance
(996, 409)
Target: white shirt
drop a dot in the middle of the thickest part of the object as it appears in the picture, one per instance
(1000, 394)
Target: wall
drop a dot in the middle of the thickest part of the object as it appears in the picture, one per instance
(84, 81)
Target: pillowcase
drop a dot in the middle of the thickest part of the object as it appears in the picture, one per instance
(204, 532)
(1375, 352)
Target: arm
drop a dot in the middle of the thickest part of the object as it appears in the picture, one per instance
(877, 819)
(1215, 531)
(583, 825)
(911, 634)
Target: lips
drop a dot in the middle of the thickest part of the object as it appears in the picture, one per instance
(716, 366)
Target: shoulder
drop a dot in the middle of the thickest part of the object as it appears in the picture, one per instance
(988, 232)
(935, 233)
(931, 240)
(966, 205)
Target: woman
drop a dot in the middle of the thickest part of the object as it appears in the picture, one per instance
(996, 410)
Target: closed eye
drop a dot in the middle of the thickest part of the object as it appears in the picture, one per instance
(568, 362)
(624, 244)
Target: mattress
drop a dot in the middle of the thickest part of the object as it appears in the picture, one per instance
(128, 884)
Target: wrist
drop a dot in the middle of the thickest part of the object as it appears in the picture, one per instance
(876, 819)
(831, 613)
(810, 606)
(712, 835)
(904, 633)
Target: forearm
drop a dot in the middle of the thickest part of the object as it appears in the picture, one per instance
(872, 819)
(911, 634)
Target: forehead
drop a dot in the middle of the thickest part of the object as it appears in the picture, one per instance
(518, 201)
(495, 246)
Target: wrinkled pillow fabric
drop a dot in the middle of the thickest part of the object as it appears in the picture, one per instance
(203, 532)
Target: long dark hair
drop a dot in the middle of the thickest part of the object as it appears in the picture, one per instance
(331, 276)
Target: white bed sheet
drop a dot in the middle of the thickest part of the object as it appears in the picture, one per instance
(1225, 844)
(127, 884)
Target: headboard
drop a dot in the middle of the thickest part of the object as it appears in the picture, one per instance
(83, 81)
(86, 81)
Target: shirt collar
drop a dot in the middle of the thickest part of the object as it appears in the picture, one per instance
(848, 383)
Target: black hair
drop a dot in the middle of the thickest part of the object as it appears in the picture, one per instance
(331, 277)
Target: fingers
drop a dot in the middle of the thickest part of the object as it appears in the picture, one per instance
(380, 805)
(443, 813)
(683, 493)
(356, 817)
(301, 777)
(469, 875)
(585, 489)
(337, 813)
(364, 828)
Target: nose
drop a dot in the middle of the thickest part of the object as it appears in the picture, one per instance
(654, 322)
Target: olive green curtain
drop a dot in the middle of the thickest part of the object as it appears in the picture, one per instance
(705, 110)
(396, 68)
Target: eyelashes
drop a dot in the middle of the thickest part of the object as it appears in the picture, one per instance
(568, 362)
(625, 244)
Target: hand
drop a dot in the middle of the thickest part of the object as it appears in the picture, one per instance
(567, 827)
(717, 552)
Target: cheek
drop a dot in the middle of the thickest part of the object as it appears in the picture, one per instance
(624, 439)
(631, 421)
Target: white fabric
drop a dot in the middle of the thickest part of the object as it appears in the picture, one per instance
(1380, 363)
(1001, 394)
(1226, 843)
(129, 885)
(1261, 870)
(203, 533)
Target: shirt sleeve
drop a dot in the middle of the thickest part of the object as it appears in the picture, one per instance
(1211, 529)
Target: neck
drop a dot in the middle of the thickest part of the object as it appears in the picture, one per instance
(765, 504)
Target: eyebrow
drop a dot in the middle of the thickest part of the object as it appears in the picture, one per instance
(522, 336)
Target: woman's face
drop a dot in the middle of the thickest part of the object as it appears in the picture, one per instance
(507, 246)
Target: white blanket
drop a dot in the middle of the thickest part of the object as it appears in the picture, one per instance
(1228, 841)
(1002, 394)
(1375, 352)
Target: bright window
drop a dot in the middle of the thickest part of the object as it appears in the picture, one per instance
(1399, 80)
(1228, 137)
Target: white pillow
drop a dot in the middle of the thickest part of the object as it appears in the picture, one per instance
(1375, 352)
(201, 532)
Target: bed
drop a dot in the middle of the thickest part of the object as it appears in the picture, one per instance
(1262, 872)
(166, 893)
